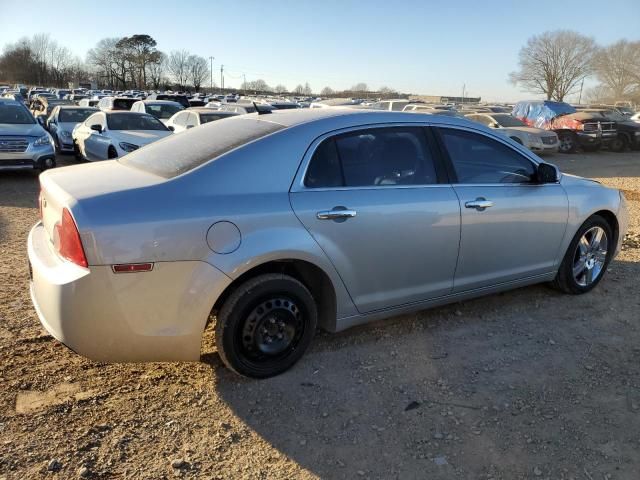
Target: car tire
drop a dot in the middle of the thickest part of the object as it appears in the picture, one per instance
(567, 143)
(618, 144)
(265, 325)
(573, 274)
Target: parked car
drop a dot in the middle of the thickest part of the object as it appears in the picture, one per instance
(181, 99)
(42, 106)
(536, 139)
(24, 143)
(573, 128)
(194, 117)
(428, 110)
(281, 223)
(197, 102)
(112, 134)
(107, 104)
(635, 117)
(163, 110)
(628, 130)
(63, 120)
(243, 108)
(88, 102)
(394, 105)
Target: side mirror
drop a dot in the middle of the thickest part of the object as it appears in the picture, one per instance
(547, 173)
(172, 128)
(96, 128)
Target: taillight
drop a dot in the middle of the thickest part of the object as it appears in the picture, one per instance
(66, 240)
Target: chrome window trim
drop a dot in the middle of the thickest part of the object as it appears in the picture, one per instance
(298, 182)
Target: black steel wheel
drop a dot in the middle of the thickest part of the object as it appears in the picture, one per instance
(265, 325)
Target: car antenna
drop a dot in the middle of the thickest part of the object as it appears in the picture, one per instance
(259, 111)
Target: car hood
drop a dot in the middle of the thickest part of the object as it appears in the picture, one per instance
(27, 130)
(531, 130)
(138, 137)
(67, 126)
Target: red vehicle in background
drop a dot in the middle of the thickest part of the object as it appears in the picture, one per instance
(574, 129)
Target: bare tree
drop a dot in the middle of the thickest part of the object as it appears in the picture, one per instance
(618, 68)
(307, 89)
(280, 88)
(299, 90)
(554, 63)
(387, 91)
(360, 87)
(326, 91)
(178, 66)
(198, 71)
(156, 70)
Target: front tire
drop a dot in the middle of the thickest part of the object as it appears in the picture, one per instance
(266, 325)
(587, 257)
(618, 144)
(568, 143)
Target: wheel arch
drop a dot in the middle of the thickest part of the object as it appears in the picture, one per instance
(310, 275)
(612, 220)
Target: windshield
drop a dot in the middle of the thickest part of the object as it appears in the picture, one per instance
(75, 115)
(162, 110)
(508, 121)
(15, 114)
(180, 153)
(613, 115)
(134, 122)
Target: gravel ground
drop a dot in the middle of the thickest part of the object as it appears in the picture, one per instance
(525, 384)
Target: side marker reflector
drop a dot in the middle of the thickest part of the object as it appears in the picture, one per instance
(132, 267)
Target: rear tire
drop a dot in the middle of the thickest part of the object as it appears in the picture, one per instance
(573, 274)
(266, 325)
(568, 143)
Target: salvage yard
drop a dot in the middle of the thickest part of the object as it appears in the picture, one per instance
(526, 384)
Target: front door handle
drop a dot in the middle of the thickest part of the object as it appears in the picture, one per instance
(480, 204)
(336, 214)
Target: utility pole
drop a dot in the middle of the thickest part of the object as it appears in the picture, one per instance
(244, 78)
(212, 58)
(222, 77)
(463, 88)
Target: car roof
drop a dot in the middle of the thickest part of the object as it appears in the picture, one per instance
(124, 112)
(292, 117)
(210, 111)
(160, 102)
(76, 107)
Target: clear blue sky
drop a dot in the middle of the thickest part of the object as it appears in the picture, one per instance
(424, 47)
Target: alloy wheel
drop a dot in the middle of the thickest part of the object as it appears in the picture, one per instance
(590, 256)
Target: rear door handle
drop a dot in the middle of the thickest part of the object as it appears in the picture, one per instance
(479, 204)
(335, 214)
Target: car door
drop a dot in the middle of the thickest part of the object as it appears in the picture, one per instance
(96, 143)
(375, 201)
(512, 226)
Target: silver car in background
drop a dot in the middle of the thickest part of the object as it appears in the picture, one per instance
(63, 120)
(24, 143)
(283, 222)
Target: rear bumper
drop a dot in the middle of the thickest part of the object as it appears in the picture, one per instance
(132, 317)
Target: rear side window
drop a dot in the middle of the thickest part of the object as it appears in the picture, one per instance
(479, 159)
(373, 157)
(178, 154)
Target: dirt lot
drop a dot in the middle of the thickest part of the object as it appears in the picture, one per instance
(526, 384)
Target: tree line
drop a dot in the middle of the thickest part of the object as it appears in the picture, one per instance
(556, 64)
(134, 62)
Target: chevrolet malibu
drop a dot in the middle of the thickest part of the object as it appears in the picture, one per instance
(279, 223)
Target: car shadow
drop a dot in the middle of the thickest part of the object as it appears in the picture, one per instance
(474, 388)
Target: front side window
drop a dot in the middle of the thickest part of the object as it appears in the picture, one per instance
(373, 157)
(478, 159)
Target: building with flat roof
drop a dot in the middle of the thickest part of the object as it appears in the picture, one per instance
(445, 99)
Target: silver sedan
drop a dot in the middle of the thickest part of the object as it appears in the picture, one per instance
(283, 222)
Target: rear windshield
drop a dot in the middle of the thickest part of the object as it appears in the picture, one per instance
(16, 114)
(163, 111)
(211, 117)
(178, 154)
(134, 122)
(123, 103)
